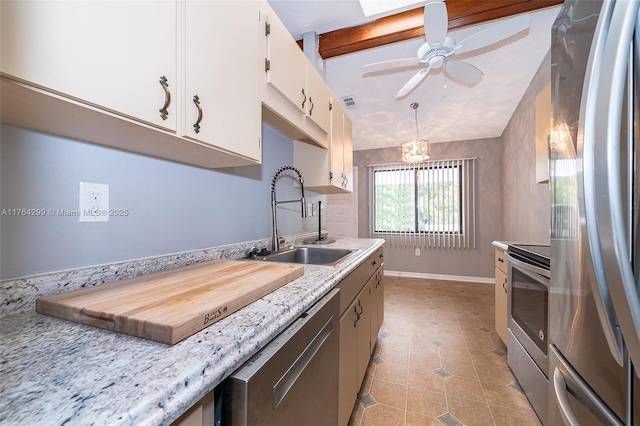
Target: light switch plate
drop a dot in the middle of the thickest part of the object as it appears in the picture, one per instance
(94, 202)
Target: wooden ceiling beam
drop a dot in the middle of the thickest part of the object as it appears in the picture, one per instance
(407, 25)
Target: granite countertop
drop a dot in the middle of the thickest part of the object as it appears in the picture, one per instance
(502, 245)
(59, 372)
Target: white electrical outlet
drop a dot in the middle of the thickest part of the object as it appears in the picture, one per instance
(94, 202)
(417, 251)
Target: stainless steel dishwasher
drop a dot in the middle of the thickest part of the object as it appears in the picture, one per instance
(294, 379)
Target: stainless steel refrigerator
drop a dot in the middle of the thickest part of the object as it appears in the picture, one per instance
(594, 307)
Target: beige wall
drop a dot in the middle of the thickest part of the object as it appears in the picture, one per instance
(525, 203)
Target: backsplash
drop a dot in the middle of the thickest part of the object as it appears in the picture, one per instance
(20, 294)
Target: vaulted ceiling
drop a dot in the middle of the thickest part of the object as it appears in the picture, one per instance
(448, 111)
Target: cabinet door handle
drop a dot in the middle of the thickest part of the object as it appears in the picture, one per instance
(374, 263)
(167, 98)
(304, 101)
(355, 310)
(311, 102)
(504, 285)
(500, 260)
(196, 125)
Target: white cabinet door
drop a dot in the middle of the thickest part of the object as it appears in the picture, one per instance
(380, 288)
(348, 365)
(109, 54)
(287, 64)
(363, 303)
(337, 144)
(221, 78)
(347, 153)
(373, 299)
(318, 107)
(341, 149)
(501, 301)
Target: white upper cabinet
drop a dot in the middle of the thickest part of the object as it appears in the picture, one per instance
(116, 55)
(285, 64)
(222, 76)
(295, 96)
(318, 105)
(328, 171)
(178, 80)
(347, 152)
(341, 150)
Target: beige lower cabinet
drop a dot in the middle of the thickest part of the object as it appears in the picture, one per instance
(380, 295)
(361, 307)
(201, 413)
(501, 294)
(359, 327)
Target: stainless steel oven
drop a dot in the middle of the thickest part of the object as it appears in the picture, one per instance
(528, 321)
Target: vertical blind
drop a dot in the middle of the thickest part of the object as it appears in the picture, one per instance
(428, 204)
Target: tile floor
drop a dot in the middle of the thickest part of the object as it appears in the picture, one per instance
(439, 361)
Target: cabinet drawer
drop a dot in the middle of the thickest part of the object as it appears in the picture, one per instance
(501, 260)
(375, 261)
(351, 285)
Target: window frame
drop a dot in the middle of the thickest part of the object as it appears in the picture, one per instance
(416, 199)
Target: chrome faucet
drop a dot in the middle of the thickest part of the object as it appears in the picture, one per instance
(275, 235)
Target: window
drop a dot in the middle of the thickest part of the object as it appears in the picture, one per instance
(428, 204)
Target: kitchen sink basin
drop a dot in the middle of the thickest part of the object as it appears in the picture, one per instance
(308, 256)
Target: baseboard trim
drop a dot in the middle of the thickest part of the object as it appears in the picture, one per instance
(463, 278)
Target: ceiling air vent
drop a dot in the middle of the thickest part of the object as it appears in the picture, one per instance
(349, 102)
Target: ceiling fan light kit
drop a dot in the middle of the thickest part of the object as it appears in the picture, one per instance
(416, 150)
(439, 50)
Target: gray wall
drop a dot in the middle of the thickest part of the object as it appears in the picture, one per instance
(470, 262)
(525, 203)
(512, 206)
(172, 207)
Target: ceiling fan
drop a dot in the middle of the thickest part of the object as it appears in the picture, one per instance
(439, 50)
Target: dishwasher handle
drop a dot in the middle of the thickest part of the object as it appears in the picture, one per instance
(289, 378)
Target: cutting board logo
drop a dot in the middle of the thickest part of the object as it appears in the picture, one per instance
(215, 314)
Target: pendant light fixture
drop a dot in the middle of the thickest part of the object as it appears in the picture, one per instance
(416, 150)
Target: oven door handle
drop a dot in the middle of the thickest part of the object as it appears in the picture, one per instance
(527, 267)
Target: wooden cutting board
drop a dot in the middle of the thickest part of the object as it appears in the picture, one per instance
(171, 305)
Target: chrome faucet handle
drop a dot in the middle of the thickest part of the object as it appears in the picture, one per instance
(252, 252)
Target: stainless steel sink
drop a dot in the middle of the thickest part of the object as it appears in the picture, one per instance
(308, 256)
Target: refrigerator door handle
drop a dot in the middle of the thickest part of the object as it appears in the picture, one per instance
(587, 186)
(567, 381)
(607, 168)
(562, 397)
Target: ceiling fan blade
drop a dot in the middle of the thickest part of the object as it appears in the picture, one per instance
(423, 49)
(436, 23)
(413, 82)
(493, 34)
(387, 65)
(463, 71)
